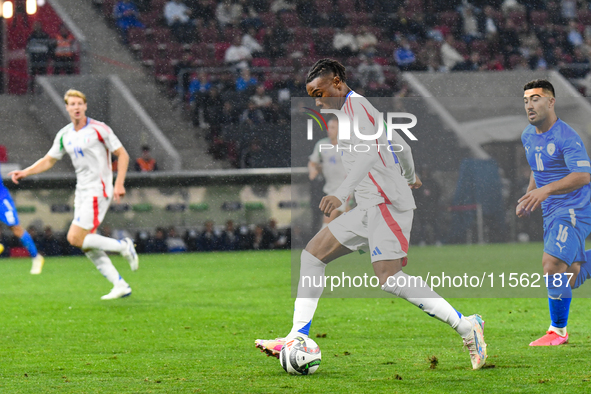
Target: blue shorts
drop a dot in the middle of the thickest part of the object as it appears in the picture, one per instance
(565, 233)
(8, 214)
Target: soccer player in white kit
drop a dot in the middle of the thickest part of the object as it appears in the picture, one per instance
(90, 143)
(382, 219)
(328, 160)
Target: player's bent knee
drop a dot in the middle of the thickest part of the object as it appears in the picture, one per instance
(75, 240)
(553, 265)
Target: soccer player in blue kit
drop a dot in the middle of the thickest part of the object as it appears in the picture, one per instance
(559, 183)
(9, 217)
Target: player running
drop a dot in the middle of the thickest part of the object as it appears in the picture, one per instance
(559, 183)
(382, 219)
(328, 160)
(90, 144)
(9, 217)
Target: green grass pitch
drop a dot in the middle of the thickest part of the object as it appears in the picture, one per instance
(191, 323)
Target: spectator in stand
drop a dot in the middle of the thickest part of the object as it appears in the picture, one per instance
(278, 240)
(404, 56)
(146, 163)
(208, 240)
(174, 243)
(469, 24)
(569, 9)
(230, 239)
(199, 88)
(574, 36)
(528, 40)
(260, 239)
(509, 39)
(580, 63)
(184, 65)
(237, 55)
(344, 43)
(249, 17)
(157, 244)
(275, 41)
(488, 26)
(245, 81)
(262, 101)
(473, 63)
(367, 41)
(249, 41)
(538, 61)
(278, 6)
(252, 115)
(449, 54)
(559, 58)
(228, 13)
(39, 49)
(369, 73)
(49, 244)
(253, 156)
(126, 15)
(64, 52)
(230, 116)
(178, 18)
(201, 9)
(496, 63)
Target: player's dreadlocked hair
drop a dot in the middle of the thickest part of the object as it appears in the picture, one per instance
(540, 83)
(326, 66)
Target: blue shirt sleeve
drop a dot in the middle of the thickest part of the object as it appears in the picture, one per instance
(575, 154)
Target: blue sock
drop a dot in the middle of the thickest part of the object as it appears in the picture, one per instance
(29, 244)
(559, 297)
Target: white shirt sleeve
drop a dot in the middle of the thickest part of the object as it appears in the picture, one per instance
(57, 149)
(111, 141)
(405, 158)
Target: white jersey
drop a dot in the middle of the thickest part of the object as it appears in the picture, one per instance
(90, 150)
(332, 167)
(376, 175)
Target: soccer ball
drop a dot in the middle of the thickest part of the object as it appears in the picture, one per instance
(300, 356)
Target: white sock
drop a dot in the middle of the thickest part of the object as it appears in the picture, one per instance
(417, 292)
(310, 289)
(95, 241)
(105, 266)
(559, 330)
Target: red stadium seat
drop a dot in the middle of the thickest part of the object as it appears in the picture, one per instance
(480, 46)
(359, 18)
(108, 7)
(584, 17)
(268, 19)
(230, 33)
(303, 34)
(163, 70)
(538, 18)
(174, 52)
(414, 6)
(347, 6)
(19, 251)
(149, 53)
(518, 17)
(220, 50)
(162, 36)
(261, 62)
(209, 35)
(290, 19)
(449, 19)
(284, 62)
(3, 154)
(136, 37)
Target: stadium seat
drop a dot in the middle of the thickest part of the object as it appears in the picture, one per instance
(480, 46)
(107, 8)
(150, 52)
(346, 6)
(153, 19)
(3, 154)
(415, 6)
(290, 19)
(284, 62)
(449, 19)
(163, 70)
(229, 33)
(518, 17)
(137, 38)
(174, 52)
(261, 62)
(381, 61)
(162, 36)
(303, 34)
(359, 19)
(220, 50)
(19, 251)
(209, 35)
(584, 17)
(323, 5)
(538, 18)
(268, 19)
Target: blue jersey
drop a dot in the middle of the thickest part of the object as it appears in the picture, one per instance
(552, 156)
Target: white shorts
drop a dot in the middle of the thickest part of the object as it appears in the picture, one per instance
(90, 210)
(382, 228)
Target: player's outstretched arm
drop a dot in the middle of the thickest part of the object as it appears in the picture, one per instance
(38, 167)
(122, 164)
